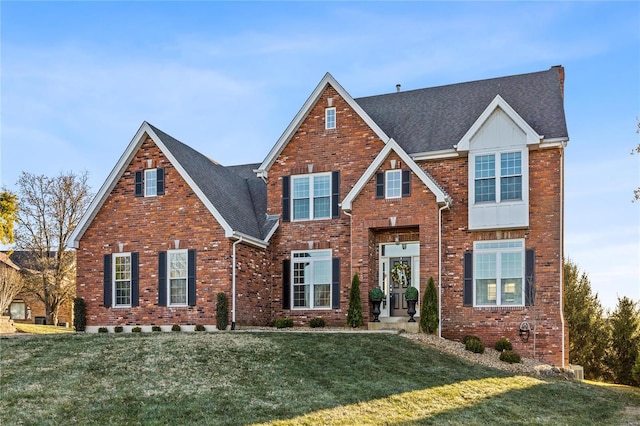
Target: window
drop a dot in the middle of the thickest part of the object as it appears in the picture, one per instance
(177, 272)
(312, 196)
(509, 186)
(499, 272)
(330, 118)
(311, 284)
(122, 279)
(18, 310)
(149, 182)
(393, 183)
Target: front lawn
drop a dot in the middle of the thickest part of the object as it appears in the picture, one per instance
(279, 378)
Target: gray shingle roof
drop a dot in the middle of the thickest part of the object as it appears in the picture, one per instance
(436, 118)
(237, 193)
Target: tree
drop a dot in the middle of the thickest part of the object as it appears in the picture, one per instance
(49, 210)
(429, 310)
(354, 315)
(588, 329)
(8, 211)
(11, 284)
(625, 341)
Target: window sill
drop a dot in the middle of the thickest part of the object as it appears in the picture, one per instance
(499, 308)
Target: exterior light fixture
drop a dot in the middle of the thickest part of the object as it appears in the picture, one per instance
(525, 330)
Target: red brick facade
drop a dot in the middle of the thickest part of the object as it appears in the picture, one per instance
(148, 225)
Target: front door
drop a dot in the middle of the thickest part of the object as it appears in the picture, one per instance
(398, 285)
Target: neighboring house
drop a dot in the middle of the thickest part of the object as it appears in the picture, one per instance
(462, 183)
(26, 306)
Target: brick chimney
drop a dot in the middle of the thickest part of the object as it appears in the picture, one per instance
(560, 69)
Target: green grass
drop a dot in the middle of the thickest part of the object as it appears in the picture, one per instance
(279, 378)
(42, 329)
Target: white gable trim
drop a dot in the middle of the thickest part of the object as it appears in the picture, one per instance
(498, 102)
(392, 145)
(118, 170)
(326, 81)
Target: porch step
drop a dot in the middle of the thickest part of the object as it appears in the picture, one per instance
(409, 327)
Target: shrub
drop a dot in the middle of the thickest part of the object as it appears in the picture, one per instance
(503, 344)
(316, 322)
(474, 345)
(635, 372)
(199, 327)
(222, 312)
(468, 337)
(103, 330)
(79, 314)
(411, 293)
(283, 323)
(376, 294)
(510, 356)
(354, 314)
(118, 329)
(156, 328)
(136, 330)
(429, 310)
(176, 327)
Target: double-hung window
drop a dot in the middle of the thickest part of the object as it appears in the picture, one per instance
(150, 183)
(509, 185)
(312, 196)
(122, 279)
(499, 270)
(177, 273)
(393, 184)
(311, 283)
(330, 118)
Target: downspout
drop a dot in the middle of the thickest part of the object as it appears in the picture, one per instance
(446, 206)
(233, 284)
(350, 243)
(564, 145)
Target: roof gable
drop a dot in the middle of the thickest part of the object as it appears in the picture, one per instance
(326, 81)
(441, 196)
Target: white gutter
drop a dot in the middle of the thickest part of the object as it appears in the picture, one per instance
(446, 206)
(233, 284)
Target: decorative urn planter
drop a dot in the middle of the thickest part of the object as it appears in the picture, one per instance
(375, 296)
(411, 296)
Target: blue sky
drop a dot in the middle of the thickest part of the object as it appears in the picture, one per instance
(78, 79)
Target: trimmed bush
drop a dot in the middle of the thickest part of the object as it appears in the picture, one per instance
(199, 327)
(222, 312)
(316, 322)
(354, 314)
(474, 345)
(429, 310)
(156, 328)
(503, 344)
(136, 330)
(118, 329)
(283, 323)
(411, 293)
(512, 357)
(468, 337)
(376, 294)
(103, 330)
(79, 314)
(176, 327)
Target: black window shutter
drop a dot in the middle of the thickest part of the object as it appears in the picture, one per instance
(191, 277)
(406, 183)
(160, 181)
(286, 284)
(529, 277)
(134, 280)
(107, 280)
(335, 194)
(285, 199)
(467, 298)
(380, 185)
(139, 183)
(335, 283)
(162, 278)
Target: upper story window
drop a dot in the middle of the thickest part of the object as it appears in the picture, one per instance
(508, 187)
(499, 270)
(311, 196)
(393, 183)
(177, 273)
(122, 279)
(330, 118)
(149, 182)
(312, 279)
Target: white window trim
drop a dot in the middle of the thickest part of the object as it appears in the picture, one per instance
(326, 118)
(186, 277)
(295, 260)
(311, 177)
(146, 180)
(498, 251)
(388, 173)
(524, 158)
(113, 281)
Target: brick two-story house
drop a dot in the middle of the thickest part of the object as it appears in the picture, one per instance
(462, 183)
